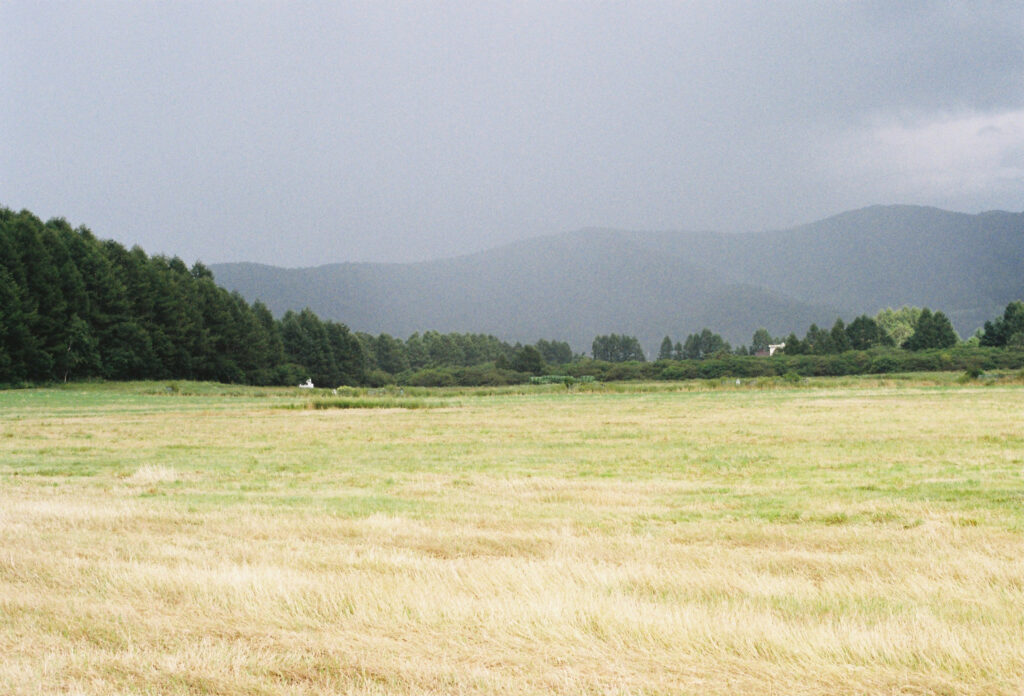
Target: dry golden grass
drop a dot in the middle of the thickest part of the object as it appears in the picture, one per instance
(863, 539)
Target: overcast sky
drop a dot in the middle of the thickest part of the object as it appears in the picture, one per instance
(307, 133)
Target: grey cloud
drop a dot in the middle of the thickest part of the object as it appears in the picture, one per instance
(300, 133)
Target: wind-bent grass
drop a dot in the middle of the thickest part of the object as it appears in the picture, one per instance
(862, 536)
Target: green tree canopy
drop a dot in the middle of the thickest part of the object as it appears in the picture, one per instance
(665, 352)
(1007, 330)
(818, 341)
(74, 307)
(840, 342)
(932, 331)
(794, 346)
(760, 341)
(616, 348)
(555, 352)
(528, 359)
(864, 333)
(703, 345)
(898, 323)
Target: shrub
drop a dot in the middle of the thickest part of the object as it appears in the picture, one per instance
(679, 371)
(487, 377)
(712, 369)
(379, 378)
(431, 378)
(593, 368)
(620, 372)
(883, 364)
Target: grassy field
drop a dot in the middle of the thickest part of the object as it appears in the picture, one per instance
(856, 536)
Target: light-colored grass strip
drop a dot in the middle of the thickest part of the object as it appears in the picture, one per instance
(836, 539)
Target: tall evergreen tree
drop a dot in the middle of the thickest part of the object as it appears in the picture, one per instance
(107, 303)
(17, 344)
(932, 331)
(347, 355)
(691, 347)
(416, 351)
(389, 354)
(665, 352)
(840, 342)
(1007, 330)
(306, 343)
(864, 333)
(794, 346)
(760, 341)
(45, 309)
(818, 341)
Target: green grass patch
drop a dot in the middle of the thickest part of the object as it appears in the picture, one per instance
(344, 402)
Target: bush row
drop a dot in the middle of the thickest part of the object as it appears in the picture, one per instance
(877, 361)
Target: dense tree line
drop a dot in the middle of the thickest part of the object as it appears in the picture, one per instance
(697, 346)
(909, 328)
(432, 349)
(391, 359)
(964, 357)
(909, 339)
(75, 307)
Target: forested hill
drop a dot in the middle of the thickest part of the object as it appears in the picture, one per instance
(580, 284)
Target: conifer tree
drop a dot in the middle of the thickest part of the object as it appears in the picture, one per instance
(665, 352)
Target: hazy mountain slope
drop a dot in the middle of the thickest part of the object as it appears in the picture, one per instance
(576, 285)
(967, 265)
(569, 287)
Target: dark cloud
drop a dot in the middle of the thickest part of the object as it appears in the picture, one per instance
(306, 133)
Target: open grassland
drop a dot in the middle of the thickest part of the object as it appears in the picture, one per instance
(861, 536)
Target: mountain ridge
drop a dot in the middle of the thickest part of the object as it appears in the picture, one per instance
(578, 284)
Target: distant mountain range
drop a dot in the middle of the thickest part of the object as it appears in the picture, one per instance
(577, 285)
